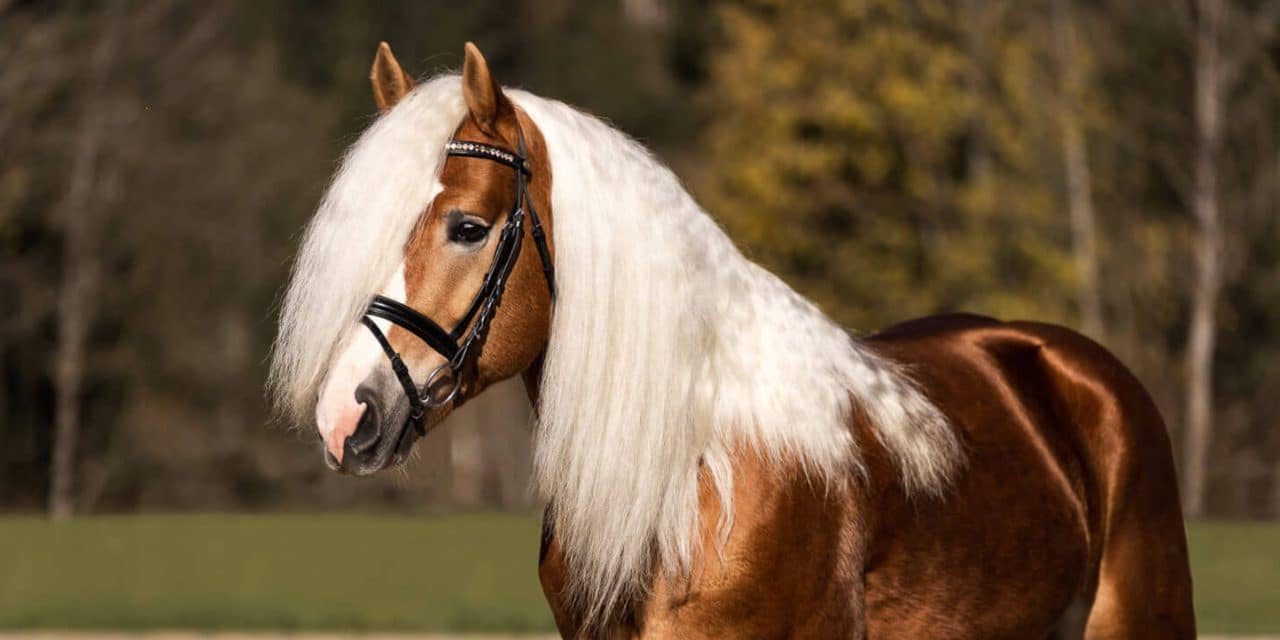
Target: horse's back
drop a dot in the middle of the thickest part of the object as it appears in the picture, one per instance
(1068, 490)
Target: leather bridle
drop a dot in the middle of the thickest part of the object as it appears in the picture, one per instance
(456, 346)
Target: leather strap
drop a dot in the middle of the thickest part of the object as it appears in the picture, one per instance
(417, 408)
(419, 325)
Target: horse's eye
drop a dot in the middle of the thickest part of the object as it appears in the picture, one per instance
(467, 232)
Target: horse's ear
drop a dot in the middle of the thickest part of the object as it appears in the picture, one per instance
(484, 97)
(390, 82)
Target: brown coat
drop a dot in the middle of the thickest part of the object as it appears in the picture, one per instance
(1067, 508)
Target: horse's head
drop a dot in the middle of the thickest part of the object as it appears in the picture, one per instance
(371, 409)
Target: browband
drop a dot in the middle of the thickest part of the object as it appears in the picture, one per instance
(467, 149)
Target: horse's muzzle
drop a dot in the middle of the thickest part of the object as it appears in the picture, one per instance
(382, 438)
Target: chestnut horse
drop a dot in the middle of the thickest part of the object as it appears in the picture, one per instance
(718, 458)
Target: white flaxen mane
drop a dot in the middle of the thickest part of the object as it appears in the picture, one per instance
(669, 350)
(356, 240)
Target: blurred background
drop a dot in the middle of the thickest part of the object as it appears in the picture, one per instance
(1112, 165)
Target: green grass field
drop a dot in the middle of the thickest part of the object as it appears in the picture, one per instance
(1236, 570)
(472, 572)
(443, 573)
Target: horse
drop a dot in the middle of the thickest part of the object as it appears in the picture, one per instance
(717, 457)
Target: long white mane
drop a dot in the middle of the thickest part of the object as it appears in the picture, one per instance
(669, 352)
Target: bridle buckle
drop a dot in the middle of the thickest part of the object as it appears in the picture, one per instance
(428, 398)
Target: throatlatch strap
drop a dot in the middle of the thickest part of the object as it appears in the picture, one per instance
(544, 252)
(539, 235)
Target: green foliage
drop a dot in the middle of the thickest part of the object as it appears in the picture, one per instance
(889, 161)
(890, 158)
(897, 158)
(221, 123)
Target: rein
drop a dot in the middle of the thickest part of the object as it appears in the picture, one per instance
(456, 345)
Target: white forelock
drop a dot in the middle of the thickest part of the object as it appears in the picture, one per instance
(670, 352)
(356, 239)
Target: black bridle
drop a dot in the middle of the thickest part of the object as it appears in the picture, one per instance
(451, 344)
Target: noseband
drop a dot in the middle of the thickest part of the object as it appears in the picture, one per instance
(451, 344)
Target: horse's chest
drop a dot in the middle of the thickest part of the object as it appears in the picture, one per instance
(789, 568)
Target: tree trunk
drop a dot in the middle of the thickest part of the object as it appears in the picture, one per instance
(1079, 190)
(1202, 332)
(79, 273)
(79, 212)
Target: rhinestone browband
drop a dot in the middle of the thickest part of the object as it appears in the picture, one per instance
(476, 149)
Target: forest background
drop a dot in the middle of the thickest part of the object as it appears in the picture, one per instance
(1112, 165)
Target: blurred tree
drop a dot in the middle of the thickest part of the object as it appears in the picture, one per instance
(91, 187)
(1208, 356)
(1072, 71)
(900, 158)
(138, 204)
(218, 124)
(1230, 43)
(890, 158)
(888, 155)
(1202, 334)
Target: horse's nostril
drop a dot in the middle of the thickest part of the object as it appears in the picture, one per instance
(367, 431)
